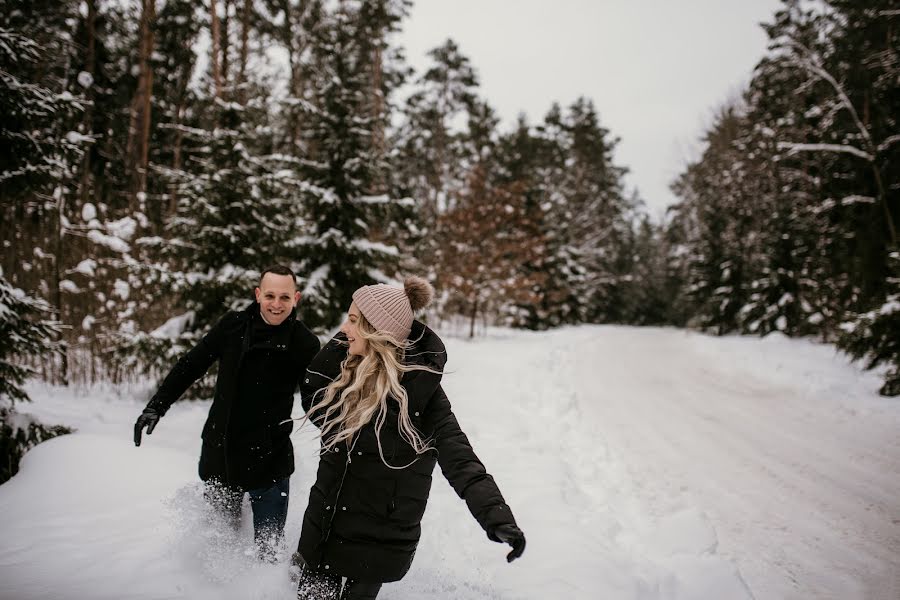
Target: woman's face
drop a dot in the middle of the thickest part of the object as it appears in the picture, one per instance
(350, 328)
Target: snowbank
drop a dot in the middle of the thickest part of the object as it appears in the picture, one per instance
(642, 464)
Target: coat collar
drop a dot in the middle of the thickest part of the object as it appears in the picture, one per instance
(281, 333)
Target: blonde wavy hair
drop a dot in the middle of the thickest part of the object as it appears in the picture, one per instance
(362, 391)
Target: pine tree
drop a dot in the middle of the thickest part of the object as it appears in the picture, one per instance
(344, 169)
(26, 330)
(717, 216)
(42, 105)
(588, 215)
(874, 336)
(533, 161)
(430, 159)
(238, 211)
(177, 28)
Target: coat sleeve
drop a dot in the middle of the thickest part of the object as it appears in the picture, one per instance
(190, 367)
(311, 347)
(463, 469)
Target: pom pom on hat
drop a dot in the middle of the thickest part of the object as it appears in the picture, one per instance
(419, 292)
(390, 309)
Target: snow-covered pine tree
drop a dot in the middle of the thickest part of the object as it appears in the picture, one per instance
(866, 67)
(588, 215)
(178, 26)
(430, 162)
(848, 140)
(533, 161)
(717, 220)
(874, 336)
(344, 168)
(26, 330)
(645, 292)
(290, 24)
(41, 103)
(787, 289)
(238, 211)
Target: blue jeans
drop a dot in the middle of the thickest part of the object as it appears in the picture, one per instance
(270, 507)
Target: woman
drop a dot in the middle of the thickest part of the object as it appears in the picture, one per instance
(374, 392)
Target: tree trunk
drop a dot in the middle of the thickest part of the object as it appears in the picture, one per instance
(473, 316)
(176, 156)
(883, 200)
(223, 42)
(138, 148)
(88, 118)
(63, 373)
(214, 32)
(378, 144)
(245, 39)
(288, 28)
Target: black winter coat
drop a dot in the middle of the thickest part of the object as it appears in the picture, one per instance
(363, 518)
(255, 385)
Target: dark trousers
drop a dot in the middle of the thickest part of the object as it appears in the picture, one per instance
(316, 585)
(269, 505)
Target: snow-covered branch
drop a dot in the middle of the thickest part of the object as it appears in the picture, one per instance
(810, 62)
(888, 143)
(793, 148)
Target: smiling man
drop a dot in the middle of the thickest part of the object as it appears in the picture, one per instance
(262, 352)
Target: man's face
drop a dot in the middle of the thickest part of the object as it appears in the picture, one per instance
(276, 295)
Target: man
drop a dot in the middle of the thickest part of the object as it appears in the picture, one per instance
(262, 353)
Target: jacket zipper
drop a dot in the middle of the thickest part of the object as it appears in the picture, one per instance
(337, 497)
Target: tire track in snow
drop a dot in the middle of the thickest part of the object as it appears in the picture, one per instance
(545, 382)
(791, 492)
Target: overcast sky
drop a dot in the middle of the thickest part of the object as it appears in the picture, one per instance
(655, 69)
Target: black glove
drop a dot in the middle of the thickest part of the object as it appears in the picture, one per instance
(512, 535)
(149, 418)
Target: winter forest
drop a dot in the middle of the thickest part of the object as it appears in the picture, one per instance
(156, 155)
(685, 404)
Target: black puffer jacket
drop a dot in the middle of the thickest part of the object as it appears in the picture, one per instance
(363, 518)
(245, 442)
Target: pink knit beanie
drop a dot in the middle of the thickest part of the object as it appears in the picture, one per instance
(390, 309)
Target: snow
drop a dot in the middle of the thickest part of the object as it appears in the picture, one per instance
(74, 137)
(88, 212)
(857, 199)
(315, 280)
(85, 79)
(375, 247)
(110, 241)
(121, 289)
(174, 327)
(86, 267)
(890, 307)
(642, 463)
(67, 285)
(123, 228)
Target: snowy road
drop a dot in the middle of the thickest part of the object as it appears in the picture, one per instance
(798, 472)
(778, 444)
(642, 464)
